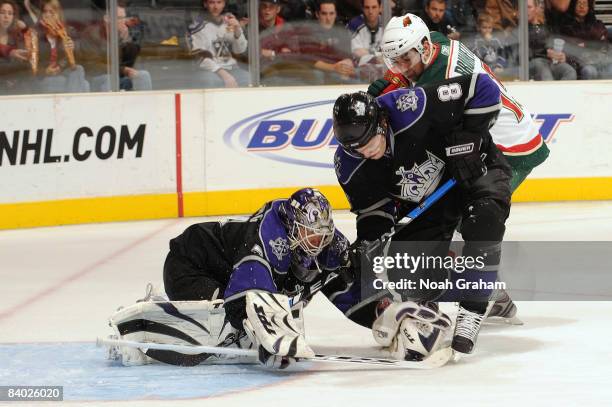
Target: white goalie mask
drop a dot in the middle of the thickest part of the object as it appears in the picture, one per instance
(309, 221)
(401, 36)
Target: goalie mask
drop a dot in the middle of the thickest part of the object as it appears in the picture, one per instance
(307, 217)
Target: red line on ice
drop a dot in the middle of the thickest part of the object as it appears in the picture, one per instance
(83, 272)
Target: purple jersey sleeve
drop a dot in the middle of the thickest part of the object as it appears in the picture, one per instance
(269, 257)
(485, 97)
(405, 107)
(252, 273)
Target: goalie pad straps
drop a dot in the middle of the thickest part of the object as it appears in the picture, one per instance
(387, 325)
(271, 325)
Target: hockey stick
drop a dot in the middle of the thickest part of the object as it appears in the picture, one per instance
(412, 215)
(436, 359)
(423, 206)
(186, 349)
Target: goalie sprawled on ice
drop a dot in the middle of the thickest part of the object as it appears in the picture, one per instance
(242, 284)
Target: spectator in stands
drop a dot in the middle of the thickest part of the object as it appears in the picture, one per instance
(347, 9)
(329, 45)
(214, 39)
(504, 13)
(487, 46)
(281, 62)
(94, 42)
(56, 51)
(461, 16)
(13, 59)
(545, 63)
(556, 13)
(435, 18)
(292, 10)
(367, 31)
(588, 44)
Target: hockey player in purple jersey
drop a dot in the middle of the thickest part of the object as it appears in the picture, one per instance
(242, 282)
(396, 149)
(289, 247)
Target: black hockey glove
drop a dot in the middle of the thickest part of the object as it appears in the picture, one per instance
(463, 156)
(376, 88)
(349, 265)
(363, 252)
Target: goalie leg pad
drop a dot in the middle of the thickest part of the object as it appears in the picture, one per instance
(177, 323)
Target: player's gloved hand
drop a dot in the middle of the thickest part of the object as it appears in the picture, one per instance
(410, 330)
(397, 80)
(463, 156)
(270, 325)
(377, 87)
(272, 361)
(362, 254)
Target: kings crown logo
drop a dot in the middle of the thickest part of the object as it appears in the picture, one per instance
(418, 182)
(408, 101)
(280, 247)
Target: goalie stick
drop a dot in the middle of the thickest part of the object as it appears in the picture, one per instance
(436, 359)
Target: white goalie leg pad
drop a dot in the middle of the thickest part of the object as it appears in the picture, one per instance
(270, 322)
(387, 325)
(173, 322)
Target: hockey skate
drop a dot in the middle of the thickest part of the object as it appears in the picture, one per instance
(466, 330)
(502, 309)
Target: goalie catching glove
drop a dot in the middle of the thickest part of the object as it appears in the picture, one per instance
(271, 327)
(411, 331)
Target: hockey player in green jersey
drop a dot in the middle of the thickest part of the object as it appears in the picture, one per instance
(416, 57)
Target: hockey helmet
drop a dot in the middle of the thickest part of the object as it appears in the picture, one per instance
(307, 216)
(401, 35)
(356, 120)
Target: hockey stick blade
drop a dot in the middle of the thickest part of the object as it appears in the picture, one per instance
(186, 349)
(437, 359)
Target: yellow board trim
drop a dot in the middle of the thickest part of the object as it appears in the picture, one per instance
(564, 189)
(87, 210)
(140, 207)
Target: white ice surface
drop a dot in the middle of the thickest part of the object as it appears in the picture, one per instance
(60, 284)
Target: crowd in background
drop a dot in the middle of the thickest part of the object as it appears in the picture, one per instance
(56, 46)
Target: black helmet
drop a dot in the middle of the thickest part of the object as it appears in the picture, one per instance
(356, 118)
